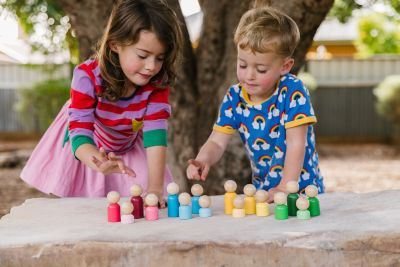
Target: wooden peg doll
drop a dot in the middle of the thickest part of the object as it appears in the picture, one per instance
(249, 200)
(126, 210)
(185, 212)
(292, 187)
(238, 210)
(172, 202)
(137, 201)
(197, 190)
(230, 188)
(281, 210)
(113, 210)
(312, 192)
(205, 203)
(302, 204)
(151, 209)
(262, 207)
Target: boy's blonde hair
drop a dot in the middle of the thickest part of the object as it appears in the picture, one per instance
(266, 30)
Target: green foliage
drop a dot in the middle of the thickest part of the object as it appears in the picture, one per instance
(343, 9)
(378, 34)
(388, 102)
(46, 25)
(309, 81)
(42, 102)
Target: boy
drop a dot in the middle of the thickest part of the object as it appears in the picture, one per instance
(270, 108)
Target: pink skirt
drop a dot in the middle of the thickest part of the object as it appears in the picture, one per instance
(52, 167)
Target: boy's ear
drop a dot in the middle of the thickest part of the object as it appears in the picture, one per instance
(287, 65)
(114, 47)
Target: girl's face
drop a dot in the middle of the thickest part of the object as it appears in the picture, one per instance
(143, 60)
(260, 72)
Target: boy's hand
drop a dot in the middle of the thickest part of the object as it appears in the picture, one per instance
(110, 163)
(272, 192)
(197, 170)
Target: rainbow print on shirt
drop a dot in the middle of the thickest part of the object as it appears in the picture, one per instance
(244, 130)
(264, 160)
(278, 152)
(282, 94)
(283, 118)
(275, 171)
(273, 111)
(228, 112)
(258, 122)
(260, 143)
(299, 116)
(274, 132)
(297, 97)
(242, 109)
(304, 174)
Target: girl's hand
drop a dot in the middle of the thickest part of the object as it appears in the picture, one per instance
(197, 170)
(272, 192)
(110, 163)
(160, 196)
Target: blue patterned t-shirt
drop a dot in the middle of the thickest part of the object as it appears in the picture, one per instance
(262, 128)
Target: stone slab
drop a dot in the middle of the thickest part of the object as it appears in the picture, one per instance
(353, 230)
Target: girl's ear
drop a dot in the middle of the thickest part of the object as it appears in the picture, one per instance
(287, 65)
(114, 47)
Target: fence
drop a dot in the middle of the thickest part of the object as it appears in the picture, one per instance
(344, 101)
(351, 72)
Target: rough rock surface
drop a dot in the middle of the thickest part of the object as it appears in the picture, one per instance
(353, 230)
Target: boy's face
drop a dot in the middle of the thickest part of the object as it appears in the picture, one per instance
(260, 72)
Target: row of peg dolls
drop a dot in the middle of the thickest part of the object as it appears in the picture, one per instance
(255, 202)
(178, 205)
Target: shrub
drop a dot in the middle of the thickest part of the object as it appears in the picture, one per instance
(388, 96)
(388, 102)
(39, 105)
(309, 81)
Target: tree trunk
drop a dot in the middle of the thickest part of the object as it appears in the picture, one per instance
(204, 75)
(88, 19)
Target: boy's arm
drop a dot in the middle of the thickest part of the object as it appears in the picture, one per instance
(156, 162)
(294, 159)
(209, 154)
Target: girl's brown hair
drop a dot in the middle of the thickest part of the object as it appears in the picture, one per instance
(127, 20)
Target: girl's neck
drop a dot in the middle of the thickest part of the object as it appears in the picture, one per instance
(130, 89)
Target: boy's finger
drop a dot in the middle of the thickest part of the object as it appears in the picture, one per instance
(162, 204)
(189, 175)
(191, 172)
(204, 173)
(195, 163)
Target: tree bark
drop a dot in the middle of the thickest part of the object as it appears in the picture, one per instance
(88, 19)
(204, 75)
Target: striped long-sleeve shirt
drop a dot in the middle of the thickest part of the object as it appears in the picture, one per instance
(115, 125)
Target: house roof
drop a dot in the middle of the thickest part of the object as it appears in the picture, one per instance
(333, 30)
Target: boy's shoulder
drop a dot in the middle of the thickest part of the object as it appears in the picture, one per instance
(290, 80)
(235, 89)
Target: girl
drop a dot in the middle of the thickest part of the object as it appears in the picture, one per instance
(112, 133)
